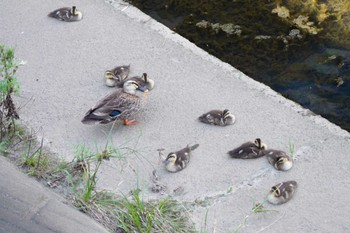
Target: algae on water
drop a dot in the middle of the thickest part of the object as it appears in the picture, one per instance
(330, 19)
(228, 28)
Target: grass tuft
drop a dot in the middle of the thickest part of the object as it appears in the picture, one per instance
(8, 87)
(36, 163)
(258, 207)
(291, 150)
(164, 215)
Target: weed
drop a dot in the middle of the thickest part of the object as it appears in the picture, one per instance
(257, 208)
(121, 214)
(8, 87)
(77, 179)
(4, 147)
(291, 150)
(81, 172)
(36, 163)
(165, 215)
(90, 180)
(204, 230)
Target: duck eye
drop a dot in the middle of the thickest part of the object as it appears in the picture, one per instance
(171, 155)
(136, 84)
(280, 160)
(109, 74)
(257, 142)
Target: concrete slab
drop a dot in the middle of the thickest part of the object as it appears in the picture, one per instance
(63, 78)
(28, 206)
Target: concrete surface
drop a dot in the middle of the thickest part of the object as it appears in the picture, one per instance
(28, 206)
(63, 78)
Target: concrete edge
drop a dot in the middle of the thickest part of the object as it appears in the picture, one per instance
(41, 209)
(136, 14)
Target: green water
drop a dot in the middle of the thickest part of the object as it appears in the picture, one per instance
(313, 70)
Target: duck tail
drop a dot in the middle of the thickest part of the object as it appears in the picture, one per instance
(202, 118)
(234, 154)
(89, 121)
(90, 118)
(195, 146)
(52, 14)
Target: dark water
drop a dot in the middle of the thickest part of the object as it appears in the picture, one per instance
(313, 70)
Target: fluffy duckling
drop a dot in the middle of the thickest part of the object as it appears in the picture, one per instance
(66, 14)
(116, 76)
(218, 117)
(177, 161)
(121, 104)
(143, 80)
(249, 150)
(279, 159)
(282, 192)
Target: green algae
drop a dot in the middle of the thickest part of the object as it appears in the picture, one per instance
(330, 19)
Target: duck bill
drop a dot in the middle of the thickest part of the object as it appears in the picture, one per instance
(143, 89)
(165, 162)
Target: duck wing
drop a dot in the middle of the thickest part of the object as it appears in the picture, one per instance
(117, 104)
(247, 150)
(63, 14)
(213, 117)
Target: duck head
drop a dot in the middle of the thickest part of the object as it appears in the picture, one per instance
(259, 144)
(170, 159)
(283, 164)
(132, 86)
(149, 82)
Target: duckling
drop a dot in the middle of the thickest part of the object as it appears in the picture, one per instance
(116, 76)
(66, 14)
(282, 192)
(218, 117)
(143, 80)
(177, 161)
(279, 159)
(121, 104)
(249, 150)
